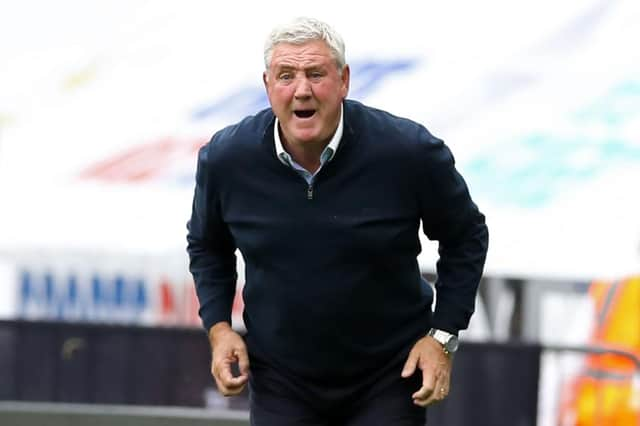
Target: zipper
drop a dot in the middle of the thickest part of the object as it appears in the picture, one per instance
(309, 185)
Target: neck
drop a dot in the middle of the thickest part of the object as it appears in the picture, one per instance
(306, 154)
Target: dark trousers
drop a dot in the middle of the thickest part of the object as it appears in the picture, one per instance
(380, 399)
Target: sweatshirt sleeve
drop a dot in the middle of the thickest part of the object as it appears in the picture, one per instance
(210, 246)
(451, 217)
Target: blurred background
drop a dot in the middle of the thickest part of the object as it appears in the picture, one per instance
(103, 106)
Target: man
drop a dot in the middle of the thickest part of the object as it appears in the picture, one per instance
(323, 197)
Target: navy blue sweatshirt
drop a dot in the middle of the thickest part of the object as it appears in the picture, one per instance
(333, 288)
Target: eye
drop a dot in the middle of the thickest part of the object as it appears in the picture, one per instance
(315, 75)
(285, 76)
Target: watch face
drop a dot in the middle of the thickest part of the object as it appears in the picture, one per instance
(452, 344)
(448, 341)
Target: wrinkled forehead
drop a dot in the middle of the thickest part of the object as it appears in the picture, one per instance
(302, 55)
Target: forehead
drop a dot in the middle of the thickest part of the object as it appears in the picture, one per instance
(314, 52)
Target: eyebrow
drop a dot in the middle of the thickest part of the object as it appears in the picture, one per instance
(287, 67)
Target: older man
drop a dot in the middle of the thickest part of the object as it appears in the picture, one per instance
(324, 196)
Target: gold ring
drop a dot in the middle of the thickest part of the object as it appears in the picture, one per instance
(441, 390)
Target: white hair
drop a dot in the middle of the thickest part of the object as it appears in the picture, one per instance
(303, 30)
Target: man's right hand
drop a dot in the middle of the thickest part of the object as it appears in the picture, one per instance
(228, 348)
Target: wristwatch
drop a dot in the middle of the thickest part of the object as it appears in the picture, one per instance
(448, 341)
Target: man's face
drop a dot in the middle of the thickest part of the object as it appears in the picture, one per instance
(306, 90)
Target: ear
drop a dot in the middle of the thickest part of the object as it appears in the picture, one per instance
(346, 74)
(265, 80)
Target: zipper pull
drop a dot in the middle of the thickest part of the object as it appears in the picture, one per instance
(310, 192)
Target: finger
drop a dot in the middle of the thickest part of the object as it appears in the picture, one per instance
(410, 365)
(243, 362)
(226, 371)
(236, 387)
(234, 392)
(439, 393)
(425, 392)
(231, 386)
(422, 394)
(429, 381)
(427, 400)
(225, 374)
(237, 378)
(443, 385)
(222, 388)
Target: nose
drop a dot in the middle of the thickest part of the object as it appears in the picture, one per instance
(303, 89)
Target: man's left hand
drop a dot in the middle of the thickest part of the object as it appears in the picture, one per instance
(429, 356)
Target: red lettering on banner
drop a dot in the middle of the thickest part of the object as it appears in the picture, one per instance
(167, 302)
(144, 162)
(192, 306)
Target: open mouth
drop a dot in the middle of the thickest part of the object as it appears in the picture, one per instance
(304, 113)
